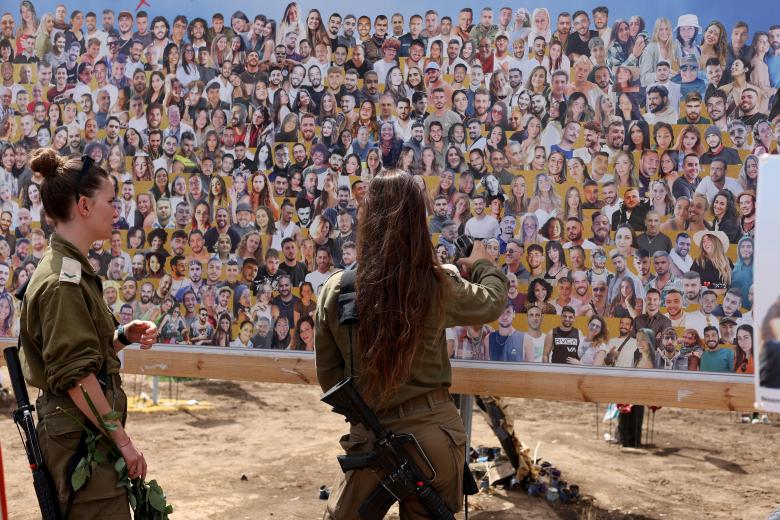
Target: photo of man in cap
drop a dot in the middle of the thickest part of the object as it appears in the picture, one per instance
(688, 78)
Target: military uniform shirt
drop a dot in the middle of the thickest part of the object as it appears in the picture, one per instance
(67, 330)
(469, 303)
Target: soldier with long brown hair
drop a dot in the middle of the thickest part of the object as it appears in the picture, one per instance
(398, 352)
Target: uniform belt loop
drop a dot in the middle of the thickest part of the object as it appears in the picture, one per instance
(431, 402)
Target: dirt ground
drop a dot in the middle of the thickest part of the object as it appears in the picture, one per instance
(284, 441)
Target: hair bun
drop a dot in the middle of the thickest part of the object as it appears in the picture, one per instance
(46, 161)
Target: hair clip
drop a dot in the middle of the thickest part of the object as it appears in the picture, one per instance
(87, 164)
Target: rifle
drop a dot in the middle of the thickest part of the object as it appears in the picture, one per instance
(23, 417)
(403, 477)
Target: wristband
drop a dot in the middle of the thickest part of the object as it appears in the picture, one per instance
(120, 335)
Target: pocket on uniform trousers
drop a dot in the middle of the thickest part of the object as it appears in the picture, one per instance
(355, 485)
(64, 430)
(60, 437)
(456, 434)
(63, 435)
(456, 439)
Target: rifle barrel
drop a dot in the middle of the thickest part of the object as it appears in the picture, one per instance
(17, 377)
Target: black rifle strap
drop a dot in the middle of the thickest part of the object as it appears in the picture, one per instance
(102, 375)
(348, 309)
(81, 452)
(351, 363)
(377, 504)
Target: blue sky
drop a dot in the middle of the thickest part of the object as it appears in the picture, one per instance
(754, 12)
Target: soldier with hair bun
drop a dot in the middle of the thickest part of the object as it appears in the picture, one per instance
(70, 339)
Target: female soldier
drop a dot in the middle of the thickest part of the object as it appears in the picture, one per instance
(70, 340)
(401, 365)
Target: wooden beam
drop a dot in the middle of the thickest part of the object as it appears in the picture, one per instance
(219, 363)
(536, 381)
(599, 386)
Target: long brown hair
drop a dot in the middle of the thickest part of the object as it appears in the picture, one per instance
(400, 284)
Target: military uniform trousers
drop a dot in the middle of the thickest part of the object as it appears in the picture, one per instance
(60, 436)
(434, 421)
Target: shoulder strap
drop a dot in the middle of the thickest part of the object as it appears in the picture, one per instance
(20, 292)
(624, 343)
(347, 307)
(346, 301)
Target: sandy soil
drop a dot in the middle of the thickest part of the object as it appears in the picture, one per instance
(702, 465)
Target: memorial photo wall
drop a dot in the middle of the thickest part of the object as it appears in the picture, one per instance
(609, 164)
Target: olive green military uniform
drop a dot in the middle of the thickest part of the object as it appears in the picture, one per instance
(66, 334)
(422, 405)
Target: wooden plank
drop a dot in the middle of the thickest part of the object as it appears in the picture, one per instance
(550, 382)
(535, 381)
(597, 388)
(251, 365)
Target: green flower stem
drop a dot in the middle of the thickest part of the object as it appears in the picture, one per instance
(103, 425)
(109, 446)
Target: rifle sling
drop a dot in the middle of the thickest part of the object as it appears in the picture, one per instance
(81, 449)
(348, 309)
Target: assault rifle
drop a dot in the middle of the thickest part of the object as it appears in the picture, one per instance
(403, 477)
(23, 417)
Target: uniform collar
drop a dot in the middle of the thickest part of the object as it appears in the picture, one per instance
(65, 248)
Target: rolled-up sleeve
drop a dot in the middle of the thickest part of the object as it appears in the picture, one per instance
(71, 343)
(479, 301)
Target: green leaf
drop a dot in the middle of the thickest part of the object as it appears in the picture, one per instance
(99, 457)
(120, 465)
(133, 501)
(168, 509)
(113, 415)
(110, 427)
(156, 498)
(80, 475)
(91, 443)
